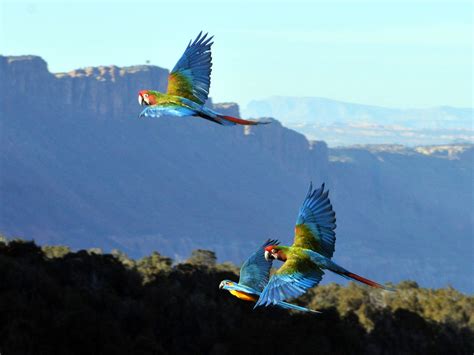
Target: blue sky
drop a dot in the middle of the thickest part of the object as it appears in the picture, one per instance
(390, 53)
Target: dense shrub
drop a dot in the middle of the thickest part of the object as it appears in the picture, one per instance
(54, 301)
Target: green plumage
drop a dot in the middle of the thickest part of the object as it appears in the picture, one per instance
(305, 238)
(188, 89)
(297, 260)
(310, 253)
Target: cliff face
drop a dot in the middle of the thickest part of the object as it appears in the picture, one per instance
(108, 92)
(79, 167)
(77, 163)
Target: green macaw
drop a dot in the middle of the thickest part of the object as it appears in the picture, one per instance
(310, 253)
(188, 88)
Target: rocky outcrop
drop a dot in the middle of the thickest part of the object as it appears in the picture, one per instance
(108, 92)
(78, 167)
(73, 145)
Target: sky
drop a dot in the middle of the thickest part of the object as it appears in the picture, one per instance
(406, 54)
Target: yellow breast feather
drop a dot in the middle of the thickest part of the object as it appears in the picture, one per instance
(243, 296)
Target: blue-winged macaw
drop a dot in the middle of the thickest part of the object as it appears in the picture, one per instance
(309, 255)
(254, 275)
(188, 88)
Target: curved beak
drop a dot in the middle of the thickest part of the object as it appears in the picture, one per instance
(221, 286)
(268, 256)
(140, 100)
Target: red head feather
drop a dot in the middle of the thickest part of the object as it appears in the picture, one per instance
(146, 97)
(279, 254)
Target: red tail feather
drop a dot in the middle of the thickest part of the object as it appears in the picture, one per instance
(238, 120)
(363, 280)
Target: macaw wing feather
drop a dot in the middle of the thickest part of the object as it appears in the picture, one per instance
(191, 76)
(293, 279)
(295, 307)
(156, 111)
(255, 271)
(316, 223)
(250, 291)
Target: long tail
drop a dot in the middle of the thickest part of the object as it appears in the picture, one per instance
(326, 263)
(351, 276)
(230, 121)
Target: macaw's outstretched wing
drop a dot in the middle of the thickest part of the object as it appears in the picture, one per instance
(156, 111)
(191, 76)
(293, 279)
(316, 223)
(255, 271)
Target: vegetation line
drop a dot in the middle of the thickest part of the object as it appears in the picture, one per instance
(54, 301)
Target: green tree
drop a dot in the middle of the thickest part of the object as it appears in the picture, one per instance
(123, 258)
(202, 257)
(56, 251)
(152, 266)
(96, 251)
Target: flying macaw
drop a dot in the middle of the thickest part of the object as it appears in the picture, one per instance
(309, 255)
(254, 275)
(188, 88)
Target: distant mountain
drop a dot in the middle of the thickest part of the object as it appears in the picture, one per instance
(342, 123)
(78, 167)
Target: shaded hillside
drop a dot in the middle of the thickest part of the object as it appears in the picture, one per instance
(57, 302)
(78, 167)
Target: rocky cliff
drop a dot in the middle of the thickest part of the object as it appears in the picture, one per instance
(79, 167)
(102, 91)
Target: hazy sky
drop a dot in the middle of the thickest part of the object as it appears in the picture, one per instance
(391, 53)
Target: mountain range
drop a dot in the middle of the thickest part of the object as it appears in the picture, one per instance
(342, 123)
(78, 167)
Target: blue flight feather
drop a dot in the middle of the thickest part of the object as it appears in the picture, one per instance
(195, 64)
(283, 286)
(255, 270)
(316, 213)
(285, 305)
(156, 111)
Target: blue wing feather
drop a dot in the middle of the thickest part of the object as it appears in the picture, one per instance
(317, 214)
(195, 64)
(283, 286)
(295, 307)
(285, 305)
(255, 271)
(156, 111)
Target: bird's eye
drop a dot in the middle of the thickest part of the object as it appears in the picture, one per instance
(146, 95)
(274, 250)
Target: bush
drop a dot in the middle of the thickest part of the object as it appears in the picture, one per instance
(58, 302)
